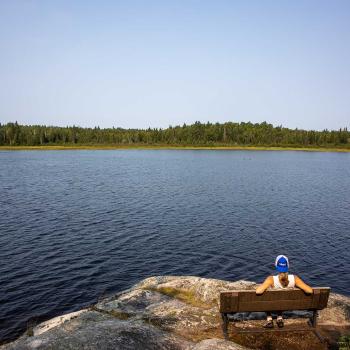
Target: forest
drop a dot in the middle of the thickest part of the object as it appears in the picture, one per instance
(197, 134)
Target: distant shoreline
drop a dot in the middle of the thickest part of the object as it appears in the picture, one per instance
(168, 147)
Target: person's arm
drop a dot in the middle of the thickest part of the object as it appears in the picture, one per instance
(303, 286)
(267, 283)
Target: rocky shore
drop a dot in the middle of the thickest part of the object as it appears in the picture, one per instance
(175, 313)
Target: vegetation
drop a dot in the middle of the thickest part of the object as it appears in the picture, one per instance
(187, 296)
(344, 342)
(196, 135)
(121, 315)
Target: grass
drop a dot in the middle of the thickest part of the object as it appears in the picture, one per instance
(121, 315)
(187, 296)
(169, 147)
(30, 327)
(344, 342)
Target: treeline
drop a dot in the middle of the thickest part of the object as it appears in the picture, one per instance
(197, 134)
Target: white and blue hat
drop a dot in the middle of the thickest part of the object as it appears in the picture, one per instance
(282, 263)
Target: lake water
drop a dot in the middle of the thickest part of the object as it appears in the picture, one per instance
(76, 225)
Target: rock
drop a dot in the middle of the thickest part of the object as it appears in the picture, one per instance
(168, 312)
(195, 290)
(54, 322)
(95, 330)
(217, 344)
(337, 311)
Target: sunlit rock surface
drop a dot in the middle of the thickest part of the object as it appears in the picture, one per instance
(168, 312)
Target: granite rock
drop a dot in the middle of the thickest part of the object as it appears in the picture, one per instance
(168, 312)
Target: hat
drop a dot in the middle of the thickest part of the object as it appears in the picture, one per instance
(282, 263)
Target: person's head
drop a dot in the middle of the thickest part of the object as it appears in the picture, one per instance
(282, 266)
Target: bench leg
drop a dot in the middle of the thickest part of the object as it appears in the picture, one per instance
(314, 326)
(224, 324)
(319, 336)
(314, 319)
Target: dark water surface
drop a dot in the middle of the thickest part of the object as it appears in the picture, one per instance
(75, 225)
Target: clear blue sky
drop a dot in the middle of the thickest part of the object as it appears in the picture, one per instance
(160, 63)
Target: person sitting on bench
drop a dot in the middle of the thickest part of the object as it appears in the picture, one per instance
(281, 281)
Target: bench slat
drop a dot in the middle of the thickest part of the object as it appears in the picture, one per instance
(273, 295)
(281, 305)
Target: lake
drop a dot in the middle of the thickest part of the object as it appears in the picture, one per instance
(77, 225)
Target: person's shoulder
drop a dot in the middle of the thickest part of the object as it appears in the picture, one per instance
(297, 280)
(269, 279)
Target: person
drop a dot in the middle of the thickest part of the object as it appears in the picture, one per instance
(281, 281)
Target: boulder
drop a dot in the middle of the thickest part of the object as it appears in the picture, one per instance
(172, 312)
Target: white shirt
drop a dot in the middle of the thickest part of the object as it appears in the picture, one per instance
(277, 284)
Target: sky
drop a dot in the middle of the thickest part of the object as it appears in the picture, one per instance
(140, 64)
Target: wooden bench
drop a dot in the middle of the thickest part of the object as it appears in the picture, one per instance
(239, 301)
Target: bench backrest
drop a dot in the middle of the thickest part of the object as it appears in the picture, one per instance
(273, 300)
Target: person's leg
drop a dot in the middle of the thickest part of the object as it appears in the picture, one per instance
(269, 321)
(280, 322)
